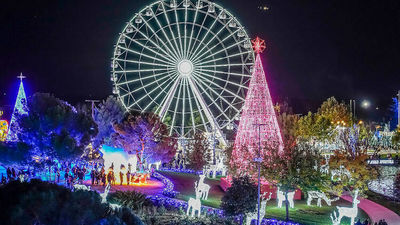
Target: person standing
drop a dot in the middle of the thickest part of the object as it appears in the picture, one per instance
(92, 176)
(121, 177)
(58, 176)
(128, 177)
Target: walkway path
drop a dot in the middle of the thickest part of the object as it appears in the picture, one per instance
(375, 211)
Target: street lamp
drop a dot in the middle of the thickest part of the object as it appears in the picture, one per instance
(258, 160)
(365, 104)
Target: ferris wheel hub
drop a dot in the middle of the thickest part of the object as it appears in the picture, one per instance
(185, 68)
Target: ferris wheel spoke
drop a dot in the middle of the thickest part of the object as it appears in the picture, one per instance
(159, 94)
(149, 49)
(226, 101)
(191, 107)
(196, 52)
(144, 96)
(148, 56)
(143, 79)
(149, 84)
(179, 32)
(166, 102)
(204, 37)
(191, 33)
(176, 107)
(220, 79)
(197, 57)
(203, 104)
(217, 52)
(224, 72)
(209, 96)
(137, 71)
(185, 33)
(163, 32)
(144, 63)
(162, 41)
(152, 42)
(226, 65)
(225, 57)
(170, 30)
(183, 108)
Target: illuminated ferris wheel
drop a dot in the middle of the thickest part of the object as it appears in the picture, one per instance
(188, 61)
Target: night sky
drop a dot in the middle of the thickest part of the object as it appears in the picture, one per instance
(316, 49)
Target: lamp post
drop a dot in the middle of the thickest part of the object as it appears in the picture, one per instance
(258, 160)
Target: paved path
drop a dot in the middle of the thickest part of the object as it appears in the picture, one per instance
(375, 211)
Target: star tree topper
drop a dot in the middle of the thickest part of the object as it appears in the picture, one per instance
(258, 45)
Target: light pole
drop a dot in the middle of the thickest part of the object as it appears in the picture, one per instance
(258, 160)
(92, 101)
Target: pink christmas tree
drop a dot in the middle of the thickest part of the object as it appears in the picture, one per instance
(258, 122)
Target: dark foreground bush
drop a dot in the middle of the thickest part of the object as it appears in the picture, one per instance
(39, 202)
(134, 200)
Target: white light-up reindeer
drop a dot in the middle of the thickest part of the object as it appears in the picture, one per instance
(81, 187)
(104, 199)
(104, 194)
(350, 212)
(253, 215)
(280, 195)
(194, 204)
(339, 173)
(319, 196)
(203, 188)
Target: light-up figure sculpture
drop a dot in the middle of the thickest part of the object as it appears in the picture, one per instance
(3, 130)
(258, 109)
(19, 108)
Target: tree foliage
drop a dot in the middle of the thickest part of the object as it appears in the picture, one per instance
(109, 112)
(240, 198)
(146, 136)
(353, 157)
(321, 125)
(297, 166)
(198, 152)
(396, 137)
(14, 153)
(54, 129)
(39, 202)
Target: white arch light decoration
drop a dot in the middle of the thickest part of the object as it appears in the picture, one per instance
(188, 61)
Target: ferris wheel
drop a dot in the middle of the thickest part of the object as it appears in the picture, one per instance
(188, 61)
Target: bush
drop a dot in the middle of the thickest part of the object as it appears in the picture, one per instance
(240, 198)
(39, 202)
(136, 201)
(397, 186)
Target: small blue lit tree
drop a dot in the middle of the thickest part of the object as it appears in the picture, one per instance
(19, 109)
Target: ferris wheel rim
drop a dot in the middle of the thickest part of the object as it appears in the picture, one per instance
(165, 65)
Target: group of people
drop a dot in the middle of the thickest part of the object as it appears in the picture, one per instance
(100, 177)
(12, 174)
(366, 222)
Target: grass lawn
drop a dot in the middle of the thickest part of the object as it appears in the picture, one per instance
(310, 215)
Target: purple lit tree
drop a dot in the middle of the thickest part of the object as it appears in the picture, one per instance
(146, 136)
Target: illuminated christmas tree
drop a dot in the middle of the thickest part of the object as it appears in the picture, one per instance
(258, 122)
(19, 108)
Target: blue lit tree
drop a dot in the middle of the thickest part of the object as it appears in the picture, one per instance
(19, 109)
(109, 112)
(394, 114)
(54, 129)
